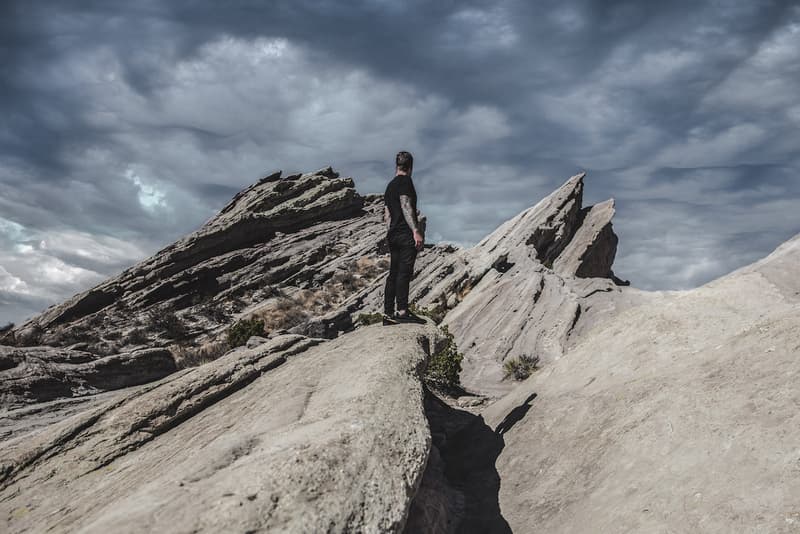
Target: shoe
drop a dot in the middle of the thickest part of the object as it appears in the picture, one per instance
(409, 317)
(389, 320)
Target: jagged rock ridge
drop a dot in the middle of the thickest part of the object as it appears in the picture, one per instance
(652, 411)
(305, 253)
(679, 414)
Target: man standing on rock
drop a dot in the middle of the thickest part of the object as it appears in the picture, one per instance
(405, 240)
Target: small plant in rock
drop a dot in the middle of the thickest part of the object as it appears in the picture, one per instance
(195, 356)
(242, 330)
(520, 368)
(365, 319)
(137, 336)
(444, 367)
(348, 281)
(170, 324)
(286, 313)
(369, 268)
(215, 312)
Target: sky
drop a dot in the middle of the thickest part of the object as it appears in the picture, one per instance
(126, 125)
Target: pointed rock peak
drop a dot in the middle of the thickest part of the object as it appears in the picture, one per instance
(327, 172)
(592, 249)
(541, 226)
(560, 233)
(297, 191)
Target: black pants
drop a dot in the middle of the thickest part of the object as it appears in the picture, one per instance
(401, 270)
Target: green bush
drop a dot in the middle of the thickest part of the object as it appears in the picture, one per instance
(170, 324)
(520, 368)
(365, 319)
(444, 367)
(242, 330)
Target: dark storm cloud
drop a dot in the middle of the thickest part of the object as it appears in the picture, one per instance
(125, 125)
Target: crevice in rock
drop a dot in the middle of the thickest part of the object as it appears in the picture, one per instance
(460, 486)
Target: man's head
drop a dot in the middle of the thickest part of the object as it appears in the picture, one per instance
(404, 162)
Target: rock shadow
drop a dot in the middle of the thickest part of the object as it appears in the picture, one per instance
(515, 416)
(468, 448)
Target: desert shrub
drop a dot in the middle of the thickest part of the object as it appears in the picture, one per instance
(242, 330)
(194, 356)
(348, 281)
(365, 319)
(168, 323)
(369, 268)
(444, 367)
(137, 336)
(520, 368)
(284, 314)
(215, 312)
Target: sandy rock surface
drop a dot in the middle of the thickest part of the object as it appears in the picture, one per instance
(291, 436)
(679, 415)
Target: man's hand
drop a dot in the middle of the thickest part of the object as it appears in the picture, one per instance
(419, 242)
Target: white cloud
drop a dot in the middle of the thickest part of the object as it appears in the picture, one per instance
(150, 196)
(41, 267)
(12, 284)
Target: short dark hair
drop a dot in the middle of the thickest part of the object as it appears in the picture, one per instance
(404, 161)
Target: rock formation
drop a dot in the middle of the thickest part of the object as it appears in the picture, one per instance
(37, 374)
(306, 253)
(678, 415)
(522, 290)
(290, 436)
(671, 411)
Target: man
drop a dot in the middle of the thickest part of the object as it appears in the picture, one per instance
(405, 240)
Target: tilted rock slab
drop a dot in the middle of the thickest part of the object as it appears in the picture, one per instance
(39, 374)
(281, 235)
(291, 436)
(523, 289)
(677, 415)
(282, 232)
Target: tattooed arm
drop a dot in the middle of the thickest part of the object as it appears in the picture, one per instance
(387, 218)
(411, 219)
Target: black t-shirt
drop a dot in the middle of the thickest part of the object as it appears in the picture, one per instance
(400, 185)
